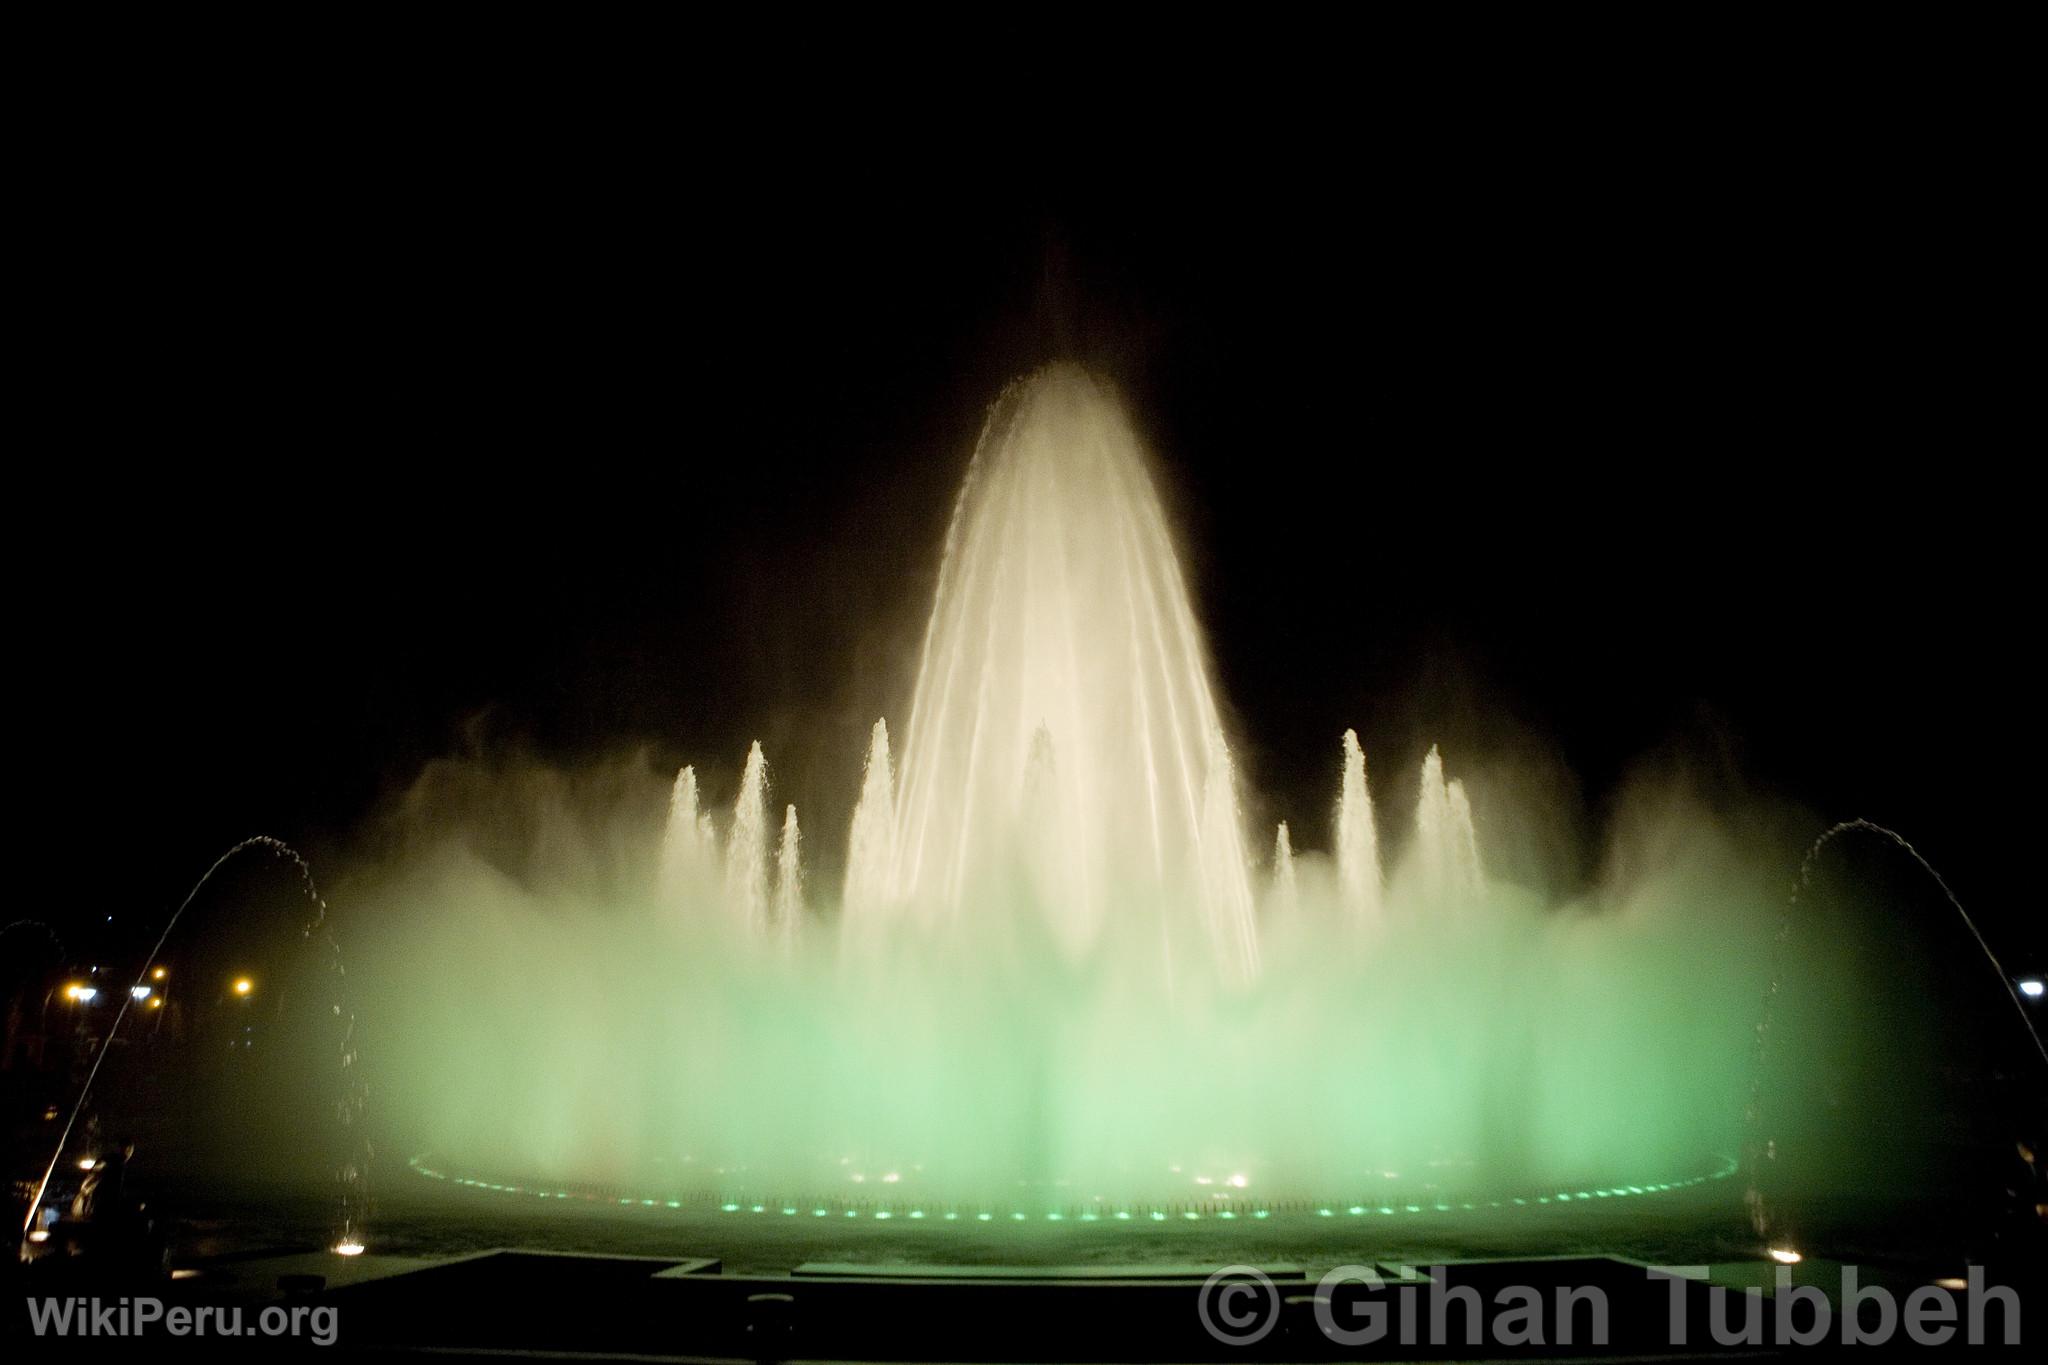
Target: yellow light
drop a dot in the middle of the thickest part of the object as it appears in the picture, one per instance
(157, 975)
(40, 1235)
(78, 990)
(1786, 1256)
(1952, 1282)
(243, 985)
(156, 1002)
(86, 1163)
(350, 1248)
(186, 1274)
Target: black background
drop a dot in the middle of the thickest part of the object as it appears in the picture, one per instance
(350, 441)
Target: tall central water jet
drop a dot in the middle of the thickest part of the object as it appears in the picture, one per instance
(1063, 717)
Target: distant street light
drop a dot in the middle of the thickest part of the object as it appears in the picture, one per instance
(243, 985)
(2032, 987)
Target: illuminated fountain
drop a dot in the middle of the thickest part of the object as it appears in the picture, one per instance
(1056, 982)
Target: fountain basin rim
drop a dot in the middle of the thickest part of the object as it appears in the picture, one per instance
(431, 1166)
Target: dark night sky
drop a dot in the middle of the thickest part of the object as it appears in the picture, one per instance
(355, 438)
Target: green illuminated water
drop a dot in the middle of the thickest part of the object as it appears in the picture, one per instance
(1055, 981)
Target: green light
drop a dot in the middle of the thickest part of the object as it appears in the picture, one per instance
(917, 1213)
(1262, 1213)
(728, 1208)
(1386, 1208)
(984, 1217)
(1158, 1217)
(1123, 1215)
(881, 1213)
(1017, 1217)
(677, 1203)
(1356, 1209)
(1323, 1213)
(1415, 1208)
(817, 1213)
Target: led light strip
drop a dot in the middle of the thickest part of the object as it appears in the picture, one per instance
(1140, 1213)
